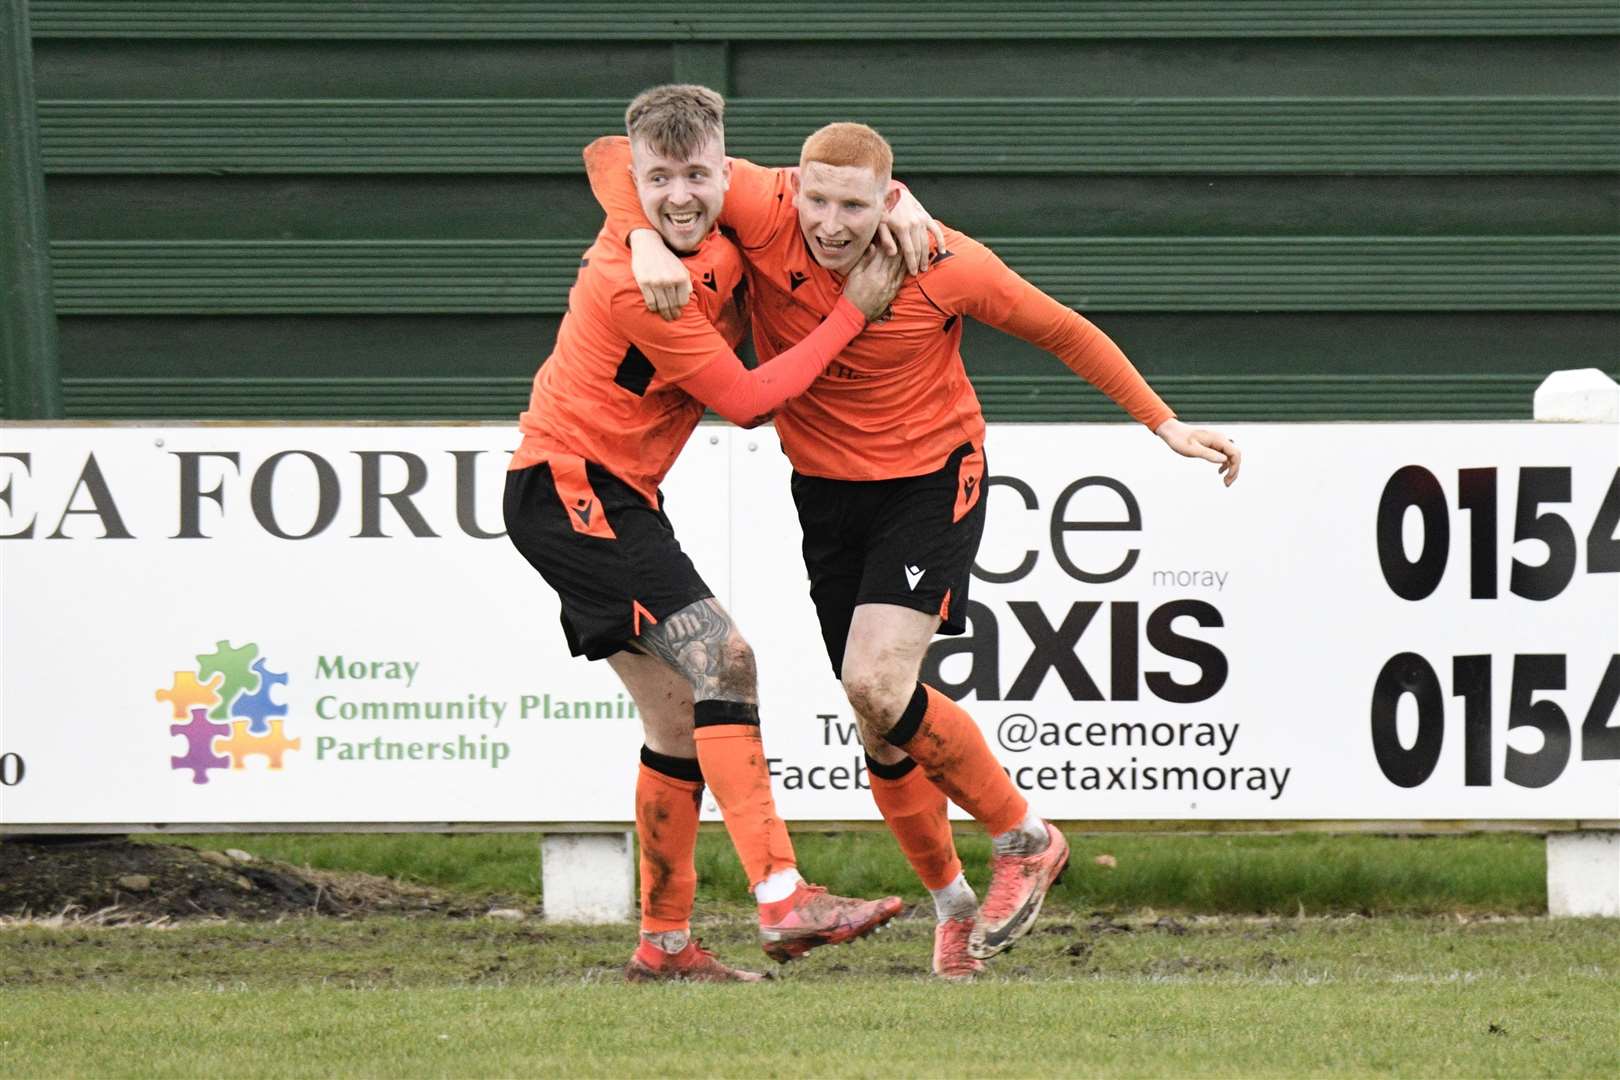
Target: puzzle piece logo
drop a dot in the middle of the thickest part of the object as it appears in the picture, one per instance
(230, 703)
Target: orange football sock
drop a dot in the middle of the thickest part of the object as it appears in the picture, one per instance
(733, 758)
(668, 793)
(945, 741)
(915, 812)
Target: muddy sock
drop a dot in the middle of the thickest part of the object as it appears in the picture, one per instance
(733, 759)
(949, 746)
(668, 793)
(668, 941)
(955, 900)
(915, 811)
(779, 886)
(1028, 837)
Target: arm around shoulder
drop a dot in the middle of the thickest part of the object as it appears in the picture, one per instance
(744, 397)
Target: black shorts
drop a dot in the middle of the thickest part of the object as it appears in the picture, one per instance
(909, 541)
(612, 559)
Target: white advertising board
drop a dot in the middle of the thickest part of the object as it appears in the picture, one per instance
(285, 624)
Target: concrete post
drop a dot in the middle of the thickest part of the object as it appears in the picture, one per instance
(1578, 396)
(588, 877)
(1583, 874)
(1583, 868)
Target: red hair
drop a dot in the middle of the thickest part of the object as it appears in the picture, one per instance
(852, 145)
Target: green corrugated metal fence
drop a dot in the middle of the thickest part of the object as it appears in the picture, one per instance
(1302, 210)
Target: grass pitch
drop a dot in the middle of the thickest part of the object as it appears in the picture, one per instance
(1279, 875)
(1454, 974)
(1085, 995)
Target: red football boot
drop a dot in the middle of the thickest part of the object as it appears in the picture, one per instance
(812, 917)
(692, 964)
(952, 961)
(1018, 885)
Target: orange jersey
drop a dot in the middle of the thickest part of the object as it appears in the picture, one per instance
(897, 400)
(607, 392)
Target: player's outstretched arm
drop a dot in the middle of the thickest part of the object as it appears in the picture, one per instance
(979, 284)
(1196, 442)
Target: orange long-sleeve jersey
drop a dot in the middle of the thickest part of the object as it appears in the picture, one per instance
(897, 400)
(608, 391)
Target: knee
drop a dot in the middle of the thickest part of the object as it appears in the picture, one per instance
(737, 674)
(877, 696)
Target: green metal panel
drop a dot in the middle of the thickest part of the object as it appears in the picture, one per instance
(1176, 343)
(376, 206)
(29, 385)
(500, 206)
(380, 347)
(985, 136)
(1051, 397)
(401, 398)
(1124, 274)
(818, 19)
(904, 69)
(1282, 209)
(1216, 344)
(1310, 68)
(1279, 206)
(1323, 273)
(1217, 364)
(208, 70)
(707, 63)
(1269, 397)
(316, 277)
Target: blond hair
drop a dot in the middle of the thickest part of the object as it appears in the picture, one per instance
(849, 144)
(677, 119)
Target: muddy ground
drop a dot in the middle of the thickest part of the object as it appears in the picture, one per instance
(118, 880)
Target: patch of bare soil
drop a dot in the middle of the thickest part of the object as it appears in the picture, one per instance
(117, 880)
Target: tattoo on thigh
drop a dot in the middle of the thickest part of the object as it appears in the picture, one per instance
(695, 641)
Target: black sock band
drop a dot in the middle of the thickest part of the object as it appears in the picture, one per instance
(897, 771)
(909, 721)
(676, 768)
(709, 713)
